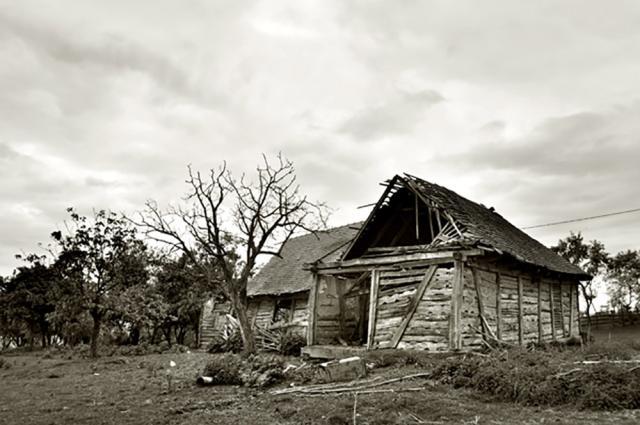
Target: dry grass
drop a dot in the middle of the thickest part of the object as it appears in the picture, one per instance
(134, 390)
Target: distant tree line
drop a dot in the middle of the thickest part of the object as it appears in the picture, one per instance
(620, 272)
(100, 279)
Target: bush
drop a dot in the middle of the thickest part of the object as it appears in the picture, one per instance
(544, 378)
(400, 358)
(256, 370)
(229, 344)
(4, 364)
(291, 343)
(224, 369)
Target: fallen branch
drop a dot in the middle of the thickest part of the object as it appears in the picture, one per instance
(355, 408)
(590, 362)
(332, 388)
(560, 375)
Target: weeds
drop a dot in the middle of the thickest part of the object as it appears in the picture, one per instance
(547, 378)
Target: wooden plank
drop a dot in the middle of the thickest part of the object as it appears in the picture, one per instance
(552, 308)
(520, 313)
(391, 184)
(540, 334)
(393, 259)
(312, 310)
(429, 212)
(571, 310)
(373, 306)
(422, 287)
(455, 321)
(415, 197)
(476, 283)
(341, 306)
(562, 309)
(498, 306)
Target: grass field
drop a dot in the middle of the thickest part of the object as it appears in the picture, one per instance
(43, 389)
(629, 333)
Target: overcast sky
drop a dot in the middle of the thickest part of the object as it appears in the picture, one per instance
(530, 107)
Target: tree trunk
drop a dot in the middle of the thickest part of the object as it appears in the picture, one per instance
(95, 332)
(239, 302)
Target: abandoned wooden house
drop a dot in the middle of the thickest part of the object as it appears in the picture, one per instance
(279, 293)
(428, 269)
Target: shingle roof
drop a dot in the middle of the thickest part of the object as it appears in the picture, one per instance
(490, 228)
(285, 275)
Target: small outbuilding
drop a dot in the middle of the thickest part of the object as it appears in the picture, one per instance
(279, 293)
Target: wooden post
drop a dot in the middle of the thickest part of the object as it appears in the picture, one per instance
(553, 315)
(562, 309)
(476, 283)
(413, 305)
(520, 313)
(429, 212)
(415, 197)
(571, 310)
(498, 308)
(455, 321)
(341, 306)
(540, 332)
(312, 310)
(373, 306)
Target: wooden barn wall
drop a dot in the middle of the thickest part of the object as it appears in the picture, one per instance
(515, 294)
(429, 326)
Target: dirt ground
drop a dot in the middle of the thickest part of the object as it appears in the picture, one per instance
(45, 389)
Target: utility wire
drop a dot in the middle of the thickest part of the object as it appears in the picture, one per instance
(582, 219)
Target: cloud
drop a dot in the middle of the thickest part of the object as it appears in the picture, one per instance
(567, 167)
(512, 104)
(397, 116)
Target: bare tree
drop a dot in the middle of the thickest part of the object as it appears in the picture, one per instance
(235, 221)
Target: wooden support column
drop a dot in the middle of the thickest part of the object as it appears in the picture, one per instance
(484, 324)
(455, 320)
(498, 308)
(553, 315)
(562, 309)
(340, 291)
(540, 332)
(572, 311)
(520, 313)
(312, 310)
(413, 305)
(373, 306)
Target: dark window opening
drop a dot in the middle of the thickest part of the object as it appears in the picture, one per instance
(283, 311)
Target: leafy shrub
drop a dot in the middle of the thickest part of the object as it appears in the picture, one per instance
(231, 343)
(224, 369)
(291, 343)
(257, 370)
(4, 364)
(263, 370)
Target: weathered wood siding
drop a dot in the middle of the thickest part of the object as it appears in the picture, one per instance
(520, 315)
(261, 311)
(429, 326)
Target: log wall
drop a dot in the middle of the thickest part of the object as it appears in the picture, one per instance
(518, 307)
(428, 328)
(511, 296)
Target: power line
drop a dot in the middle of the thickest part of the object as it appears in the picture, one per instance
(582, 219)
